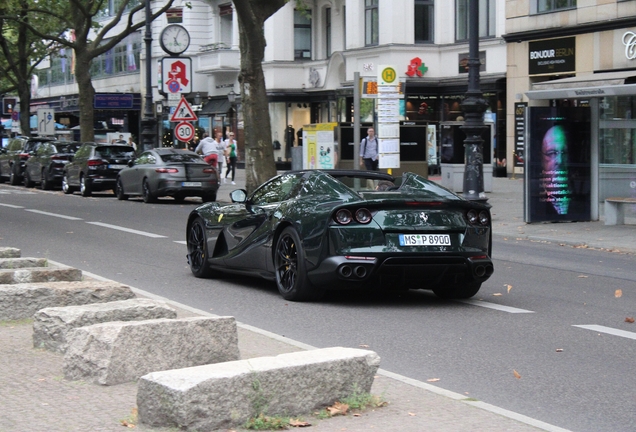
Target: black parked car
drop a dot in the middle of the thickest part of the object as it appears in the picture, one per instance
(46, 165)
(95, 167)
(13, 158)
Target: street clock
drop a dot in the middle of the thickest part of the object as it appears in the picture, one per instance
(174, 39)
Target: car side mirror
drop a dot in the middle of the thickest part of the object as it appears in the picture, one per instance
(238, 196)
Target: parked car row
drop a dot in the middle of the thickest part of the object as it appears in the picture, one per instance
(89, 167)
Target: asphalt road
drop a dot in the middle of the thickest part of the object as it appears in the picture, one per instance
(525, 343)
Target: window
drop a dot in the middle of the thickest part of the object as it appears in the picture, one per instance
(302, 35)
(554, 5)
(225, 15)
(371, 33)
(423, 21)
(328, 32)
(486, 19)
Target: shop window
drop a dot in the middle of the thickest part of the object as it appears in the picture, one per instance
(302, 35)
(328, 32)
(617, 130)
(371, 22)
(554, 5)
(487, 13)
(424, 30)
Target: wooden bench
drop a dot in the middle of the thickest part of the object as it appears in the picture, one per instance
(615, 209)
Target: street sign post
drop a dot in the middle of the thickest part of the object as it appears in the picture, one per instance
(46, 121)
(184, 131)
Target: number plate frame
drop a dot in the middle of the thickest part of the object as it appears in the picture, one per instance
(424, 239)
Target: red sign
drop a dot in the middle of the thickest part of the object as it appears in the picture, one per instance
(184, 131)
(183, 112)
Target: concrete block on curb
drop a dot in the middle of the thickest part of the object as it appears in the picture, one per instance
(118, 352)
(50, 325)
(22, 301)
(16, 263)
(39, 274)
(9, 252)
(226, 395)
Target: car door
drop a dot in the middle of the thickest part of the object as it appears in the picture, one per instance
(74, 168)
(249, 237)
(132, 177)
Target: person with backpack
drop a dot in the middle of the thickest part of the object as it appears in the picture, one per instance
(369, 151)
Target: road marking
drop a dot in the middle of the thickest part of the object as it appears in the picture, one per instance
(495, 306)
(11, 206)
(183, 242)
(608, 330)
(53, 214)
(132, 231)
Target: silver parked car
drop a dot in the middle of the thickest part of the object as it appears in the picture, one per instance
(171, 172)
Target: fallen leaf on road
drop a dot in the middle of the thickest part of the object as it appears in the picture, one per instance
(432, 379)
(516, 374)
(363, 346)
(509, 288)
(338, 409)
(412, 414)
(298, 423)
(497, 294)
(559, 350)
(583, 276)
(629, 320)
(124, 423)
(618, 293)
(357, 415)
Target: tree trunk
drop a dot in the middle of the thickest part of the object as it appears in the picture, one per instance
(259, 152)
(86, 95)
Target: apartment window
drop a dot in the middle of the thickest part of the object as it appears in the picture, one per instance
(371, 33)
(423, 21)
(486, 19)
(302, 35)
(328, 32)
(554, 5)
(225, 18)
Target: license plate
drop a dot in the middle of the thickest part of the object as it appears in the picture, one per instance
(191, 184)
(116, 166)
(424, 240)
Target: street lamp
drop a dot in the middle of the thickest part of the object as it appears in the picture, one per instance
(148, 122)
(474, 106)
(231, 97)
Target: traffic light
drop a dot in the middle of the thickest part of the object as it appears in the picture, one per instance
(8, 105)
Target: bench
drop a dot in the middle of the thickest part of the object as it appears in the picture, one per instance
(615, 209)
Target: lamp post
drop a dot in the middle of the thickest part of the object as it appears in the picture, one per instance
(148, 122)
(474, 106)
(231, 97)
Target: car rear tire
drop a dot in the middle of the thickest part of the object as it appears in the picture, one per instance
(119, 191)
(27, 180)
(291, 274)
(197, 244)
(178, 198)
(462, 291)
(147, 193)
(85, 187)
(45, 183)
(66, 187)
(14, 178)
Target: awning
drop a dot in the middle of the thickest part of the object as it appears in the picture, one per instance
(585, 86)
(215, 106)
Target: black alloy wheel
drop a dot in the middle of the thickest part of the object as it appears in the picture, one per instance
(119, 191)
(27, 180)
(14, 177)
(147, 194)
(66, 187)
(291, 273)
(198, 249)
(45, 183)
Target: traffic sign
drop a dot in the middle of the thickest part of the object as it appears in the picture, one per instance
(46, 121)
(184, 131)
(183, 112)
(387, 75)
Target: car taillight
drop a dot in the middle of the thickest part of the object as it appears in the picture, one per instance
(167, 170)
(24, 155)
(475, 218)
(57, 158)
(209, 170)
(96, 162)
(363, 216)
(343, 217)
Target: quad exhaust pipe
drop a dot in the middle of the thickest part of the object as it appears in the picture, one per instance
(357, 272)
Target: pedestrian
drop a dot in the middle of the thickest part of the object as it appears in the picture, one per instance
(230, 152)
(132, 143)
(207, 148)
(220, 150)
(369, 151)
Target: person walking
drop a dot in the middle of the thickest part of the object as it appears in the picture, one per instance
(220, 151)
(230, 152)
(207, 148)
(369, 151)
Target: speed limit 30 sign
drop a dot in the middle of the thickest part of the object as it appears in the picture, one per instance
(184, 131)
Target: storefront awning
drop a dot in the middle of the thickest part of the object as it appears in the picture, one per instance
(585, 86)
(215, 106)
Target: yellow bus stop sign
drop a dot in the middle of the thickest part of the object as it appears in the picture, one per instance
(388, 75)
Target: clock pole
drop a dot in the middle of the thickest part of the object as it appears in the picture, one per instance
(148, 122)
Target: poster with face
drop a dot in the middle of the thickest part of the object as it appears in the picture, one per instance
(558, 174)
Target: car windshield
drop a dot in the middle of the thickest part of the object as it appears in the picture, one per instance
(115, 152)
(415, 184)
(67, 148)
(181, 158)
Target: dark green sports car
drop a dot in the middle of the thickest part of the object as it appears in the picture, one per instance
(315, 230)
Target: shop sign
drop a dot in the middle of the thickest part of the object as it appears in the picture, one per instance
(629, 40)
(110, 101)
(552, 56)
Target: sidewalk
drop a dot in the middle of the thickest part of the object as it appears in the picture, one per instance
(36, 397)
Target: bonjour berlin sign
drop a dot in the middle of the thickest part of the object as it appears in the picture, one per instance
(552, 56)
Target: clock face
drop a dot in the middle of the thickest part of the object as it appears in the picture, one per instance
(175, 39)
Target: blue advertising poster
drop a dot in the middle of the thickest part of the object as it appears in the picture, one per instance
(558, 171)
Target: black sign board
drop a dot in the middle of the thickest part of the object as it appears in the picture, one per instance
(552, 56)
(8, 105)
(520, 133)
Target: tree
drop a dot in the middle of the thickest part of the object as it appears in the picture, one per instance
(259, 153)
(91, 39)
(22, 51)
